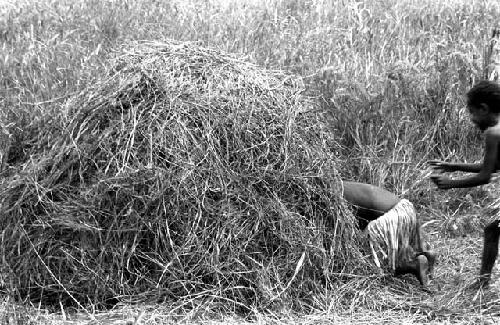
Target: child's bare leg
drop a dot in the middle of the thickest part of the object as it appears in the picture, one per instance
(431, 260)
(421, 250)
(422, 266)
(490, 251)
(420, 246)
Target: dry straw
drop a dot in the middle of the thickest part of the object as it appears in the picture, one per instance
(184, 175)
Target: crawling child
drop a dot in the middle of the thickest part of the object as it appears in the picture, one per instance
(393, 230)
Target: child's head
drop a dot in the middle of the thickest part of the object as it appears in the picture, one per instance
(483, 102)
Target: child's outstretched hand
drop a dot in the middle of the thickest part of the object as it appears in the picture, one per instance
(440, 166)
(441, 181)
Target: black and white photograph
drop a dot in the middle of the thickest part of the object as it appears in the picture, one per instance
(249, 162)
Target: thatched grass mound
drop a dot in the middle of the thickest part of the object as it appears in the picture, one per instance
(186, 175)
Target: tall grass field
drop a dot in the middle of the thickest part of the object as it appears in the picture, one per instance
(180, 161)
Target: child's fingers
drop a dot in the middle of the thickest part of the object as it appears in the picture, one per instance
(436, 179)
(436, 170)
(434, 163)
(439, 181)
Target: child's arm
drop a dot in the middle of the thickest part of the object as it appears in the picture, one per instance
(487, 167)
(442, 166)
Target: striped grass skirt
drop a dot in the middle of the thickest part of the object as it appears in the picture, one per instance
(393, 237)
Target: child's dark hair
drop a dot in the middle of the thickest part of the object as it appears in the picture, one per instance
(487, 92)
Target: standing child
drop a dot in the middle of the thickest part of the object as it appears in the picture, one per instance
(483, 103)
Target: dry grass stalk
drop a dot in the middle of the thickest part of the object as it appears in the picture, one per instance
(4, 146)
(491, 57)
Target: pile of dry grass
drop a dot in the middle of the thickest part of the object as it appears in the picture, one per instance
(185, 175)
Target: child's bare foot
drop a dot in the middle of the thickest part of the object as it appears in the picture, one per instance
(431, 259)
(422, 269)
(481, 283)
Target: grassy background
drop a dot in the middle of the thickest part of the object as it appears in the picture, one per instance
(392, 75)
